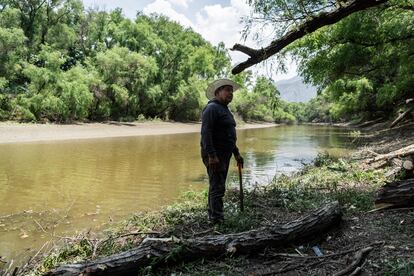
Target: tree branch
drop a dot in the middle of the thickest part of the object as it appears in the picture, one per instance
(328, 18)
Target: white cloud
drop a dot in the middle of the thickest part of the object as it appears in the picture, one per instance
(165, 8)
(218, 23)
(181, 3)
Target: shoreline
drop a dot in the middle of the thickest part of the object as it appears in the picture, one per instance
(12, 132)
(357, 198)
(361, 229)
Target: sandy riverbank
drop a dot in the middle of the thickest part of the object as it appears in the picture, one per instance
(11, 132)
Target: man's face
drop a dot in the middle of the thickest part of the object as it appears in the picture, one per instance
(225, 94)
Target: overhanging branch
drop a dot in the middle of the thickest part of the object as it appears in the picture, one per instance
(324, 19)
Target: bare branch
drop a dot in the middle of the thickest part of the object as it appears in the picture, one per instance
(244, 49)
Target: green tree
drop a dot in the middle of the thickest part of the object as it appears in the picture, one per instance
(261, 103)
(363, 63)
(127, 77)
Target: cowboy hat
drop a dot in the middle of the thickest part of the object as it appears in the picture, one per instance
(212, 87)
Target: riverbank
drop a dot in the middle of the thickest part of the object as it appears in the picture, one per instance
(389, 233)
(11, 132)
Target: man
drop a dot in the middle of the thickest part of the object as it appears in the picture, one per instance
(218, 143)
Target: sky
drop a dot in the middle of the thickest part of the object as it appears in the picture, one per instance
(216, 20)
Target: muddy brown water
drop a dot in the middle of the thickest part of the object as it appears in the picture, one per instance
(63, 188)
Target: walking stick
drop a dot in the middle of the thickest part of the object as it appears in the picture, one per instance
(241, 187)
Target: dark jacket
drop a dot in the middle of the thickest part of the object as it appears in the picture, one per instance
(218, 129)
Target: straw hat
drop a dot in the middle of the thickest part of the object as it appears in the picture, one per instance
(212, 87)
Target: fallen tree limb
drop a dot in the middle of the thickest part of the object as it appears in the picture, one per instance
(153, 252)
(356, 264)
(396, 194)
(370, 123)
(403, 168)
(403, 115)
(408, 150)
(323, 19)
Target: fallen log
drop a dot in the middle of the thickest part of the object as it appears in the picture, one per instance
(402, 168)
(404, 114)
(408, 150)
(153, 252)
(401, 117)
(370, 123)
(396, 194)
(408, 165)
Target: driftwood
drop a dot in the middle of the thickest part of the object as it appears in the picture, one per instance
(323, 19)
(401, 117)
(408, 165)
(370, 123)
(382, 159)
(396, 194)
(402, 167)
(154, 252)
(404, 114)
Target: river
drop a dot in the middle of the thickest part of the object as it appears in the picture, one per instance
(62, 188)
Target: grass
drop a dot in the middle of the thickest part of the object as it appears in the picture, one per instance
(400, 267)
(285, 198)
(74, 252)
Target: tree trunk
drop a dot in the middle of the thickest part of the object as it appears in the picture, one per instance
(396, 194)
(161, 251)
(401, 117)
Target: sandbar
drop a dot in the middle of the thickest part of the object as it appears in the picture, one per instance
(12, 132)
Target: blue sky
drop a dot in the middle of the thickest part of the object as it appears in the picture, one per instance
(215, 20)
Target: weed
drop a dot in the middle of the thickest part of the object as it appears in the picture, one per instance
(400, 267)
(355, 134)
(323, 159)
(70, 253)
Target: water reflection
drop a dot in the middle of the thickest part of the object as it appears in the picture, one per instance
(283, 150)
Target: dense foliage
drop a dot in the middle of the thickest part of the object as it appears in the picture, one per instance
(261, 103)
(363, 65)
(62, 63)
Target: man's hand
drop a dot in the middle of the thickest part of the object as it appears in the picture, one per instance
(239, 160)
(213, 163)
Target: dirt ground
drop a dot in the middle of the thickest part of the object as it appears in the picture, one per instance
(11, 132)
(389, 233)
(381, 139)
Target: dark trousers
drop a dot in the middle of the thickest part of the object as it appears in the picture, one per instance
(217, 185)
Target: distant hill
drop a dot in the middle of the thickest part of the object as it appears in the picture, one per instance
(294, 90)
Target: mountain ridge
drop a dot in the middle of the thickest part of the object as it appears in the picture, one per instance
(295, 90)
